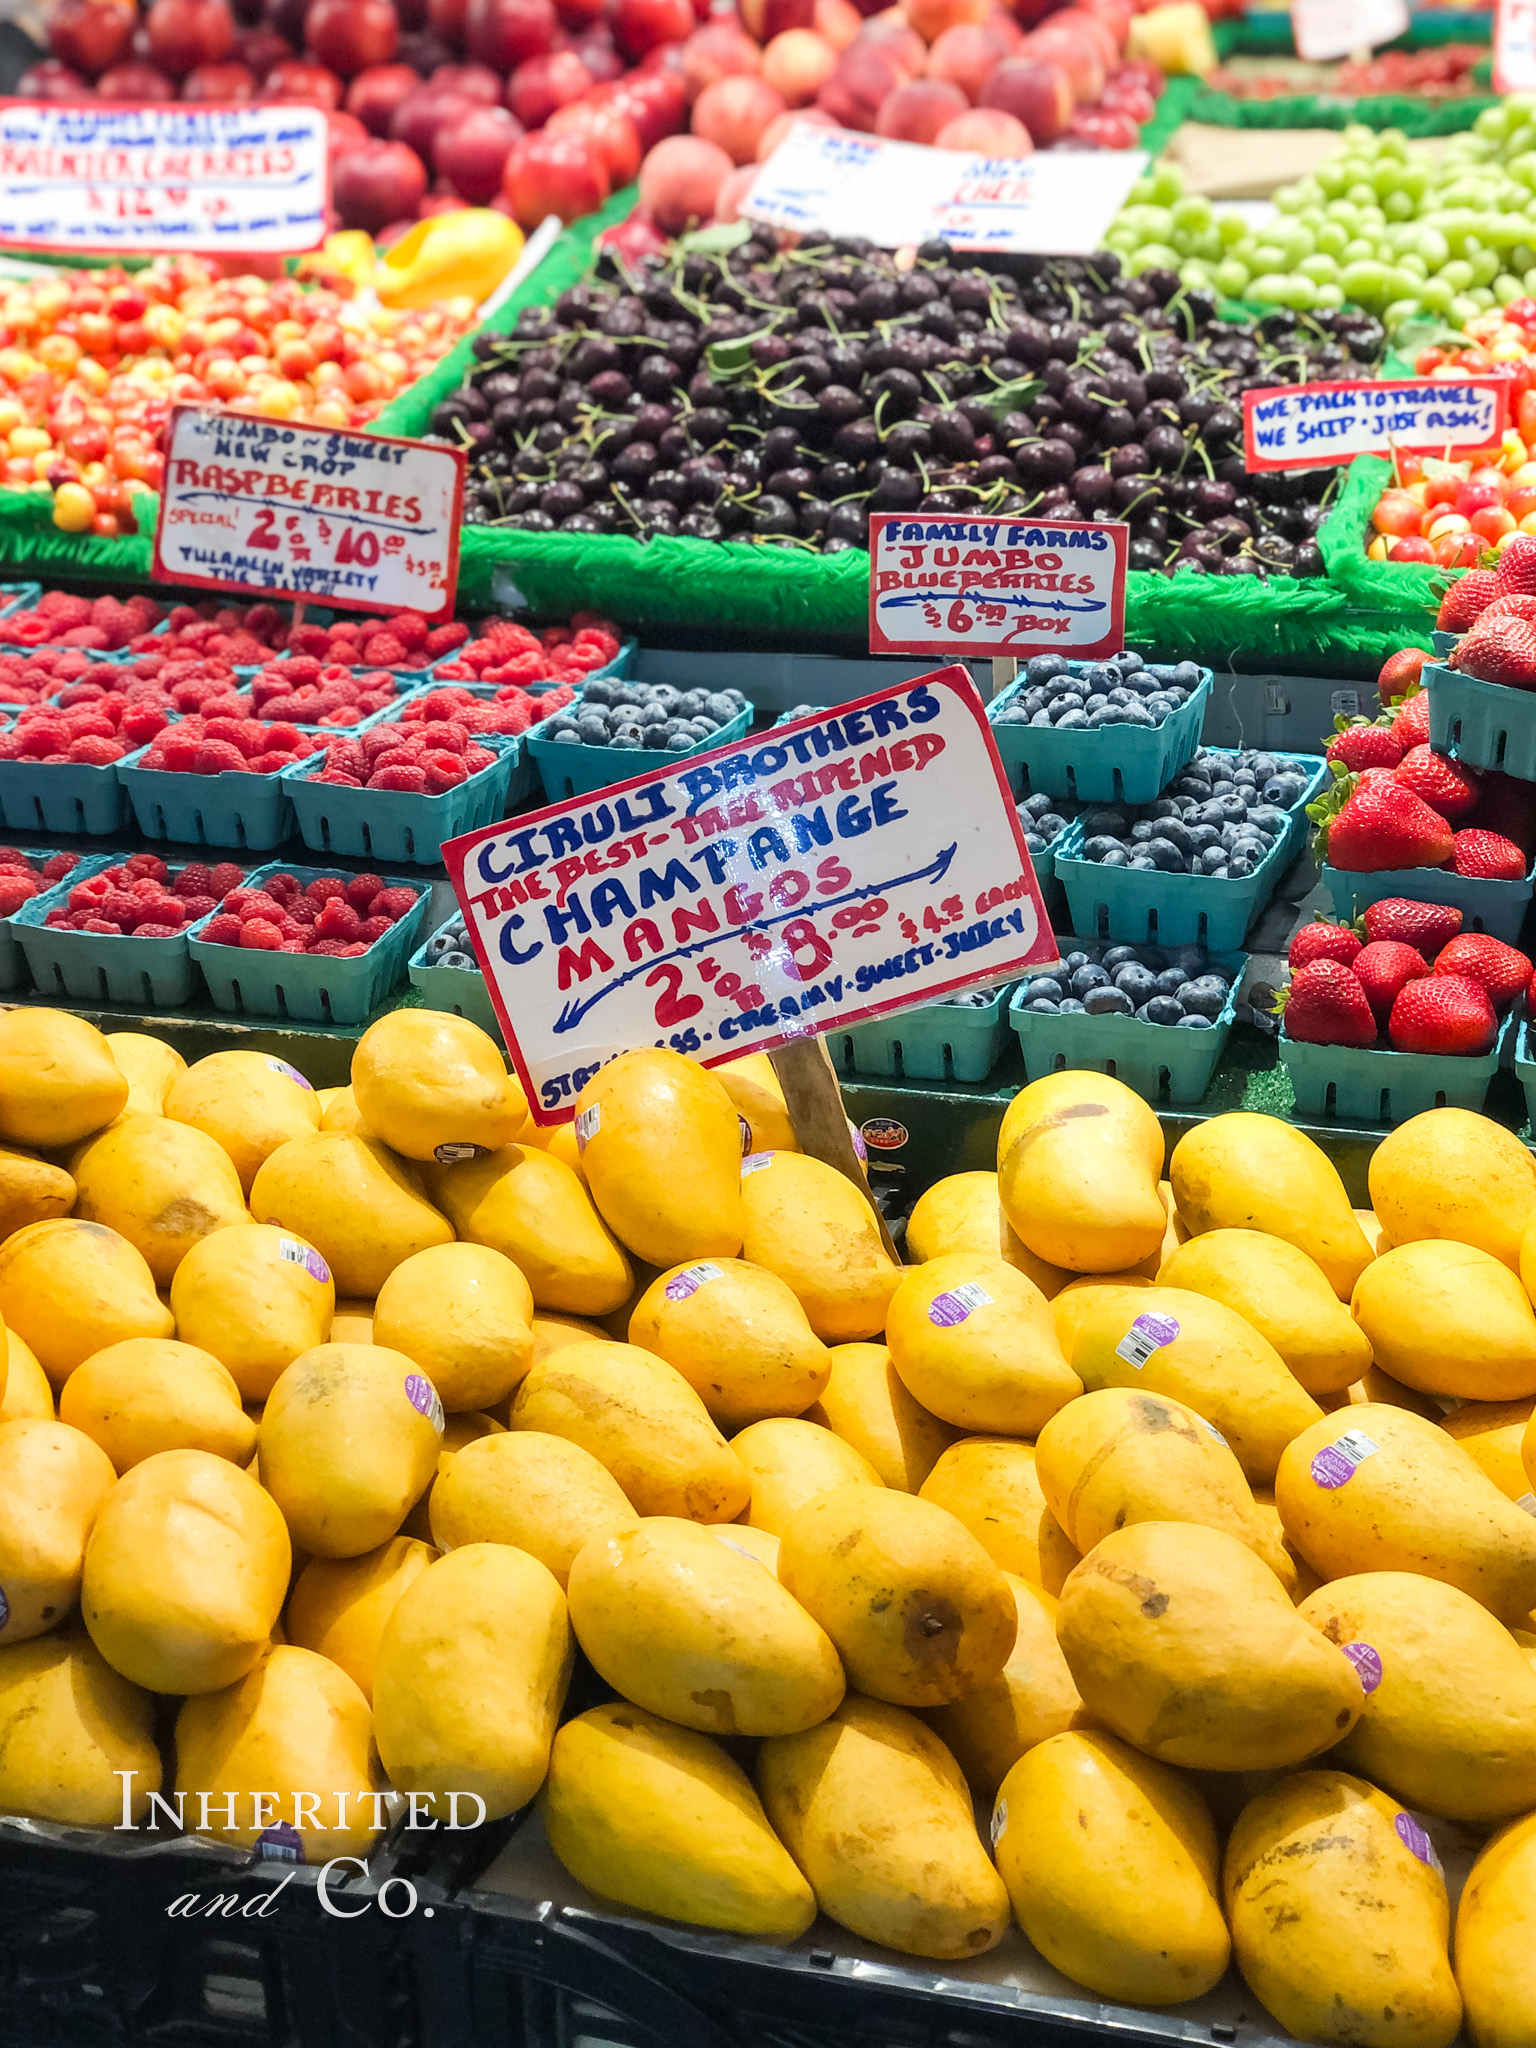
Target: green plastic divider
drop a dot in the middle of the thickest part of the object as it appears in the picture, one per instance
(1417, 118)
(1173, 110)
(1408, 591)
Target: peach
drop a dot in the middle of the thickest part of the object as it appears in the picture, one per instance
(967, 55)
(720, 49)
(1038, 94)
(798, 64)
(1094, 28)
(1004, 23)
(889, 31)
(733, 112)
(1071, 50)
(931, 17)
(765, 19)
(779, 127)
(736, 187)
(866, 74)
(987, 131)
(839, 21)
(916, 112)
(680, 180)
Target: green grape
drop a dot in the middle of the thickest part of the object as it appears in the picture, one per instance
(1437, 295)
(1485, 267)
(1400, 310)
(1432, 246)
(1361, 193)
(1457, 275)
(1482, 298)
(1286, 197)
(1331, 179)
(1270, 256)
(1231, 279)
(1413, 265)
(1155, 256)
(1331, 239)
(1167, 185)
(1344, 211)
(1321, 269)
(1193, 214)
(1392, 142)
(1359, 250)
(1463, 308)
(1365, 281)
(1400, 206)
(1328, 298)
(1195, 274)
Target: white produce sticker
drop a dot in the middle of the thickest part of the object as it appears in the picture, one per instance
(999, 1821)
(588, 1124)
(1148, 1334)
(755, 1162)
(295, 1254)
(1528, 1502)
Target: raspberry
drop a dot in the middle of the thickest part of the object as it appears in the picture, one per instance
(101, 924)
(149, 864)
(361, 891)
(43, 735)
(226, 876)
(194, 880)
(222, 931)
(372, 929)
(339, 781)
(302, 911)
(325, 888)
(392, 903)
(97, 753)
(255, 903)
(338, 920)
(444, 772)
(412, 780)
(141, 724)
(328, 946)
(176, 751)
(313, 640)
(443, 639)
(411, 628)
(121, 907)
(386, 650)
(443, 736)
(282, 738)
(16, 890)
(283, 886)
(86, 723)
(271, 763)
(261, 936)
(198, 906)
(218, 757)
(233, 732)
(157, 931)
(476, 758)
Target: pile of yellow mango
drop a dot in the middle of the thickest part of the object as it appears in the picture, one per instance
(1183, 1528)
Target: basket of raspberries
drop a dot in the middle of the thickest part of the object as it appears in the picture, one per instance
(29, 678)
(182, 785)
(399, 789)
(307, 691)
(506, 709)
(74, 946)
(504, 652)
(308, 943)
(24, 877)
(98, 625)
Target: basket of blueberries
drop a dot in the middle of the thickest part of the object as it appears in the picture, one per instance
(1155, 1017)
(1116, 730)
(1195, 866)
(616, 730)
(958, 1039)
(448, 975)
(1047, 823)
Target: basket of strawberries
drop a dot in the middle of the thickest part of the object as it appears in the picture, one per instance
(1481, 706)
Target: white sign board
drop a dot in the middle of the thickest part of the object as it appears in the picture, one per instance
(353, 519)
(943, 585)
(1514, 46)
(898, 193)
(828, 871)
(141, 180)
(1308, 426)
(1325, 29)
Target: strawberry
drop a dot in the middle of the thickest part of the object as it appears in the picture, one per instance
(1359, 744)
(1517, 567)
(1400, 675)
(1410, 726)
(1428, 926)
(1480, 957)
(1522, 606)
(1465, 599)
(1383, 969)
(1488, 856)
(1500, 650)
(1443, 1013)
(1444, 785)
(1324, 1004)
(1323, 941)
(1379, 823)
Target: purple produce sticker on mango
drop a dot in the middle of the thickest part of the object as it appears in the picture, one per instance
(948, 1309)
(1417, 1842)
(422, 1396)
(289, 1073)
(306, 1256)
(689, 1281)
(1366, 1662)
(1335, 1463)
(1147, 1334)
(5, 1609)
(281, 1843)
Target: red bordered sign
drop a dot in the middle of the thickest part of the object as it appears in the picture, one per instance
(1314, 426)
(813, 876)
(365, 522)
(947, 584)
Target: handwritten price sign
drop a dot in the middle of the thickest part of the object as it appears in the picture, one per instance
(356, 520)
(1325, 29)
(1312, 426)
(849, 864)
(1514, 46)
(138, 180)
(938, 585)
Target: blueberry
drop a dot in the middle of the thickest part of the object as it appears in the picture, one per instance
(1097, 702)
(1071, 1007)
(1284, 790)
(1041, 717)
(460, 960)
(1073, 721)
(1142, 863)
(720, 707)
(1036, 805)
(1108, 1002)
(1119, 956)
(1177, 834)
(1040, 1006)
(1040, 668)
(1240, 866)
(1206, 997)
(1171, 980)
(1109, 822)
(1032, 701)
(1142, 831)
(1190, 958)
(1033, 842)
(1195, 1023)
(1202, 836)
(1138, 715)
(1087, 979)
(1268, 817)
(1187, 674)
(1051, 826)
(1167, 857)
(569, 738)
(1213, 861)
(1076, 958)
(1138, 982)
(1165, 1009)
(1045, 989)
(1117, 857)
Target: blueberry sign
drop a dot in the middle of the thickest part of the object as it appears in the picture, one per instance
(832, 869)
(950, 584)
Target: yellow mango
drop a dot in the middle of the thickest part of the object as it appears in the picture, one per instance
(1184, 1644)
(1490, 1432)
(463, 1313)
(1451, 1173)
(1078, 1159)
(256, 1297)
(58, 1079)
(642, 1421)
(1122, 1456)
(152, 1394)
(31, 1190)
(1071, 1305)
(1111, 1863)
(991, 1485)
(974, 1342)
(349, 1439)
(1048, 1278)
(53, 1480)
(249, 1103)
(1449, 1319)
(339, 1112)
(1031, 1699)
(69, 1289)
(1496, 1940)
(1169, 1341)
(149, 1066)
(874, 1810)
(354, 1201)
(1339, 1917)
(1243, 1171)
(616, 1323)
(1376, 1385)
(525, 1204)
(339, 1605)
(790, 1461)
(758, 1100)
(1285, 1296)
(553, 1333)
(661, 1150)
(469, 1680)
(737, 1335)
(960, 1213)
(865, 1403)
(1450, 1707)
(662, 1820)
(686, 1627)
(817, 1231)
(24, 1388)
(1302, 1580)
(286, 1747)
(1375, 1236)
(351, 1324)
(1377, 1489)
(918, 1611)
(459, 1432)
(69, 1724)
(185, 1573)
(538, 1493)
(160, 1184)
(430, 1084)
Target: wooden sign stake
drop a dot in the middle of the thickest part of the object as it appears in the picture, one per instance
(815, 1104)
(1005, 669)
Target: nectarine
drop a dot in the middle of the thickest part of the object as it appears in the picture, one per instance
(987, 131)
(798, 64)
(966, 56)
(733, 112)
(680, 180)
(1038, 94)
(916, 112)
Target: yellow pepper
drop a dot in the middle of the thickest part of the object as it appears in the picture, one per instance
(449, 255)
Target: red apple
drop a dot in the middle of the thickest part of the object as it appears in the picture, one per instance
(48, 79)
(579, 15)
(351, 35)
(186, 33)
(447, 18)
(639, 25)
(1039, 95)
(719, 49)
(344, 133)
(666, 57)
(1094, 29)
(416, 120)
(1116, 16)
(560, 174)
(734, 112)
(304, 83)
(680, 180)
(538, 87)
(476, 82)
(261, 47)
(916, 112)
(503, 33)
(375, 93)
(838, 20)
(135, 81)
(472, 154)
(967, 56)
(610, 129)
(765, 19)
(775, 132)
(90, 36)
(986, 131)
(597, 51)
(378, 182)
(231, 82)
(798, 64)
(1071, 51)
